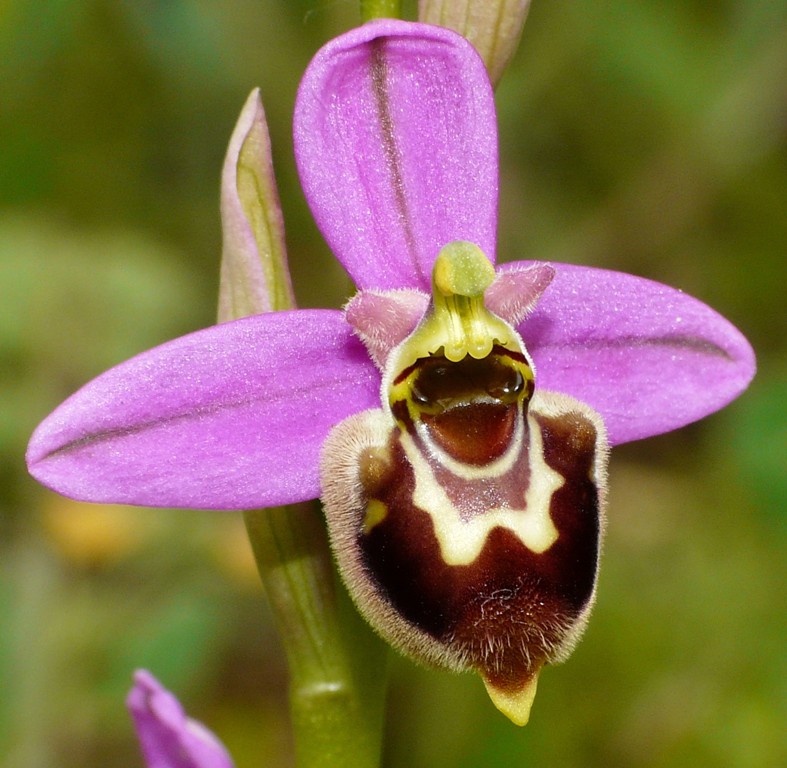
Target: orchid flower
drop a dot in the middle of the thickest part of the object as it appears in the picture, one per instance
(454, 418)
(168, 738)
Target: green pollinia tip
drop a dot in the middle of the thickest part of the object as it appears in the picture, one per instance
(458, 323)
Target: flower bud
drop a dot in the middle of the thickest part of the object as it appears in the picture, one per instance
(492, 26)
(170, 739)
(254, 273)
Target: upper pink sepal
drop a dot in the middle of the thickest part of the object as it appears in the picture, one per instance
(396, 144)
(231, 417)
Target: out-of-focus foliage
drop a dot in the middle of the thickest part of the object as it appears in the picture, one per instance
(648, 137)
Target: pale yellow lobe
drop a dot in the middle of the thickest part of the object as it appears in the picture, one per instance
(515, 705)
(375, 514)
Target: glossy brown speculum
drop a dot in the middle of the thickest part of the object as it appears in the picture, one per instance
(468, 408)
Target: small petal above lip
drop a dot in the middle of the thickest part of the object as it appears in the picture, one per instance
(649, 358)
(396, 144)
(231, 417)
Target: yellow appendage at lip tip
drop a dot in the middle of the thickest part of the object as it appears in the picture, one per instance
(457, 322)
(515, 705)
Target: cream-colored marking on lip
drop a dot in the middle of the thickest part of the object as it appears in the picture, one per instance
(461, 541)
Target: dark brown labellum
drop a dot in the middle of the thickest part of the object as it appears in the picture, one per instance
(466, 514)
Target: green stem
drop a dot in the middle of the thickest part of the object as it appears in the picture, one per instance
(337, 665)
(380, 9)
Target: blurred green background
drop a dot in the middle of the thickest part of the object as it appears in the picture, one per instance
(642, 136)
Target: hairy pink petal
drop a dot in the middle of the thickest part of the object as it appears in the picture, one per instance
(168, 738)
(383, 319)
(230, 417)
(647, 357)
(516, 292)
(396, 143)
